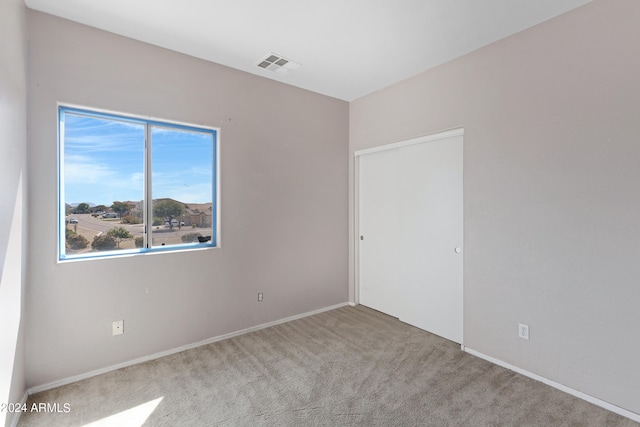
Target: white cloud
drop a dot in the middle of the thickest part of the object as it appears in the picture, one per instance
(83, 169)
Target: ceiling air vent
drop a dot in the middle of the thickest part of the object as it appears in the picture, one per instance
(277, 64)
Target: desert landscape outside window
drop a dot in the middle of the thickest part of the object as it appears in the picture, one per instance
(129, 185)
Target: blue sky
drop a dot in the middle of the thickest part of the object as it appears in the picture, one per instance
(103, 161)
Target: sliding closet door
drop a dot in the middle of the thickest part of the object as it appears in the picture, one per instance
(430, 265)
(410, 219)
(378, 231)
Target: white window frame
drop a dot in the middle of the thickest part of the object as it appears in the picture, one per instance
(147, 194)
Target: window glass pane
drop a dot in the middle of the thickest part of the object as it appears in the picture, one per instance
(102, 184)
(111, 184)
(182, 186)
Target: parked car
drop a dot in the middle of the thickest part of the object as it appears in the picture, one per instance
(73, 220)
(175, 222)
(110, 215)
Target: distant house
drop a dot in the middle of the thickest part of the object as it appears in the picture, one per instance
(136, 208)
(199, 214)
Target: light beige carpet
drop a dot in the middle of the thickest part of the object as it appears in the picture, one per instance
(347, 367)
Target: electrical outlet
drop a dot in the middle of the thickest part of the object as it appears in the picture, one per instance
(118, 327)
(259, 296)
(523, 331)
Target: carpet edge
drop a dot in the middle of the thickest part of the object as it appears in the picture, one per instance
(90, 374)
(576, 393)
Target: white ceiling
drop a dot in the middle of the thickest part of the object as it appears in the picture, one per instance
(347, 48)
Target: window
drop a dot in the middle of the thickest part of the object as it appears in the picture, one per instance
(130, 185)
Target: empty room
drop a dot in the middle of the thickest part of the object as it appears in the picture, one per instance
(319, 213)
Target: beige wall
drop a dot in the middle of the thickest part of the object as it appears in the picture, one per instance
(551, 174)
(284, 194)
(13, 212)
(551, 200)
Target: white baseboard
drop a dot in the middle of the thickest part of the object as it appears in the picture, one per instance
(13, 417)
(76, 378)
(594, 400)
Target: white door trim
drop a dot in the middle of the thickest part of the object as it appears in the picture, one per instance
(412, 141)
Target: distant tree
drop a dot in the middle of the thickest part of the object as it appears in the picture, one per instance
(100, 208)
(121, 208)
(119, 234)
(82, 208)
(168, 209)
(75, 240)
(103, 242)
